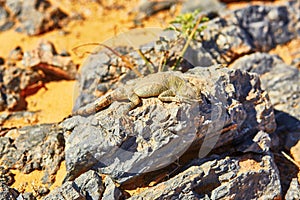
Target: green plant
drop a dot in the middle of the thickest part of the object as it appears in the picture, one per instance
(184, 24)
(187, 25)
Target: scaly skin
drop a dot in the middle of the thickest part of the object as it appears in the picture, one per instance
(167, 86)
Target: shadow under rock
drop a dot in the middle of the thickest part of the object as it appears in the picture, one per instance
(284, 138)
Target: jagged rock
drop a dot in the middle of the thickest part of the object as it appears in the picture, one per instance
(283, 85)
(7, 193)
(67, 191)
(111, 191)
(46, 59)
(5, 22)
(227, 36)
(16, 54)
(102, 68)
(14, 6)
(282, 82)
(147, 8)
(89, 185)
(27, 196)
(244, 177)
(296, 62)
(34, 17)
(39, 16)
(148, 137)
(151, 7)
(6, 176)
(294, 191)
(239, 32)
(25, 116)
(41, 65)
(36, 147)
(3, 15)
(16, 79)
(207, 6)
(266, 26)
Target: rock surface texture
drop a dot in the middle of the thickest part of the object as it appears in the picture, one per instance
(228, 36)
(25, 73)
(34, 17)
(282, 82)
(124, 145)
(33, 148)
(233, 103)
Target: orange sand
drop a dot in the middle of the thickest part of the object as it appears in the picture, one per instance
(56, 102)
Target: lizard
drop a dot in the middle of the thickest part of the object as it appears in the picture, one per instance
(166, 86)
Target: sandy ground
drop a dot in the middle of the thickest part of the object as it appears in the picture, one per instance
(99, 25)
(56, 102)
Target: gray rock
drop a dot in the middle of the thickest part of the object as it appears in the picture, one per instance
(149, 8)
(207, 6)
(6, 176)
(111, 191)
(156, 134)
(227, 37)
(14, 6)
(41, 65)
(27, 196)
(16, 79)
(7, 25)
(280, 80)
(36, 147)
(27, 116)
(89, 185)
(221, 178)
(296, 62)
(266, 26)
(221, 42)
(16, 54)
(260, 143)
(45, 58)
(5, 22)
(7, 193)
(35, 17)
(3, 14)
(38, 17)
(254, 28)
(68, 190)
(294, 191)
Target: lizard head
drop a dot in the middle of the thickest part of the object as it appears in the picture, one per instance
(183, 88)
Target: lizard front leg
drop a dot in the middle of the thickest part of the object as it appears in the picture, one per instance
(167, 96)
(171, 96)
(134, 101)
